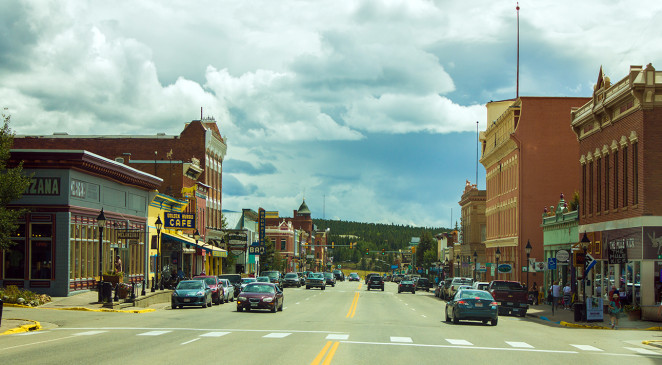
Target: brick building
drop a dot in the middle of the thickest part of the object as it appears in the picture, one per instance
(293, 238)
(620, 145)
(528, 154)
(473, 231)
(190, 165)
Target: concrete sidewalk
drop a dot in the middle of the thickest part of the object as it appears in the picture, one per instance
(566, 317)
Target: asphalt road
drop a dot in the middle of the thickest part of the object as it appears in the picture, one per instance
(342, 325)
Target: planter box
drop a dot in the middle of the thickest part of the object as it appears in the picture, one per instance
(114, 279)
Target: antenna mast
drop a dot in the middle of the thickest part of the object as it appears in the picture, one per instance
(517, 87)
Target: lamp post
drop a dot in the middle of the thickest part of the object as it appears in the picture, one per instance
(528, 254)
(445, 267)
(196, 236)
(585, 242)
(158, 224)
(101, 222)
(497, 255)
(459, 265)
(475, 263)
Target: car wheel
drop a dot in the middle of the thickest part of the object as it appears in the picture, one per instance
(232, 299)
(446, 315)
(324, 287)
(484, 321)
(240, 309)
(273, 309)
(495, 321)
(455, 319)
(210, 303)
(281, 307)
(368, 288)
(307, 287)
(248, 309)
(522, 314)
(382, 288)
(204, 305)
(181, 306)
(173, 306)
(399, 292)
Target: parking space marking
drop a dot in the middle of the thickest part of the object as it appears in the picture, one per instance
(519, 344)
(586, 347)
(401, 339)
(153, 333)
(459, 342)
(193, 340)
(337, 337)
(214, 334)
(277, 335)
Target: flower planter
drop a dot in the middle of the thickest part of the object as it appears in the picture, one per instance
(113, 279)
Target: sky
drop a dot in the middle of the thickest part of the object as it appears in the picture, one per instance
(368, 110)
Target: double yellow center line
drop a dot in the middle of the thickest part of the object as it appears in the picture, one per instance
(352, 308)
(329, 356)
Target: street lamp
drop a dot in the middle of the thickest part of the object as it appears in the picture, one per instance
(475, 263)
(101, 222)
(497, 255)
(528, 254)
(158, 224)
(459, 265)
(585, 242)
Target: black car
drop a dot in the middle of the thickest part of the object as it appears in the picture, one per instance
(291, 279)
(367, 277)
(330, 278)
(423, 284)
(406, 285)
(376, 282)
(274, 277)
(339, 275)
(354, 277)
(235, 280)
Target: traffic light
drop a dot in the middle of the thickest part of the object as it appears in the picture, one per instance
(367, 251)
(383, 251)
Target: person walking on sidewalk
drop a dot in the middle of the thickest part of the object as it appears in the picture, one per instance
(556, 294)
(567, 296)
(615, 310)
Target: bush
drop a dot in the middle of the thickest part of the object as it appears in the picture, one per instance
(12, 294)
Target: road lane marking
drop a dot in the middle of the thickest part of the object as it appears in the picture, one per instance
(153, 333)
(276, 335)
(193, 340)
(320, 356)
(459, 342)
(586, 347)
(88, 333)
(401, 339)
(337, 337)
(463, 347)
(35, 343)
(332, 352)
(214, 334)
(642, 351)
(352, 308)
(519, 344)
(424, 316)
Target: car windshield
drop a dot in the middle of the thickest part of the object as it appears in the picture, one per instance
(375, 278)
(328, 275)
(406, 282)
(232, 278)
(271, 274)
(423, 280)
(291, 276)
(459, 281)
(316, 276)
(247, 280)
(262, 279)
(506, 285)
(475, 294)
(210, 281)
(258, 288)
(353, 274)
(190, 285)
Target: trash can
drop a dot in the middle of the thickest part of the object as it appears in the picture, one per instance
(580, 312)
(107, 291)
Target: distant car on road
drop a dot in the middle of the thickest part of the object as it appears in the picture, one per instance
(367, 277)
(217, 290)
(455, 284)
(406, 285)
(340, 276)
(274, 277)
(291, 279)
(246, 281)
(354, 277)
(330, 278)
(480, 285)
(260, 296)
(262, 279)
(235, 280)
(423, 284)
(376, 282)
(470, 304)
(191, 292)
(228, 290)
(316, 280)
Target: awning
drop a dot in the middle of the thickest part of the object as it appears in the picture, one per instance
(215, 251)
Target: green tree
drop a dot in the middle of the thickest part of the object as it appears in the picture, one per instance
(267, 260)
(12, 185)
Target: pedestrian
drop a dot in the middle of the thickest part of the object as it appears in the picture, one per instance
(567, 296)
(533, 293)
(118, 264)
(556, 293)
(615, 310)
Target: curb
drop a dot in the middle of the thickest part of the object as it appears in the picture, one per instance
(35, 326)
(137, 311)
(655, 343)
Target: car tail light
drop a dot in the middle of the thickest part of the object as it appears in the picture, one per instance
(461, 302)
(494, 303)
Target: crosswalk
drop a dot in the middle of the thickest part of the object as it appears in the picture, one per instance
(347, 338)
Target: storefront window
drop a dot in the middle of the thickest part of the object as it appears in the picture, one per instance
(15, 261)
(40, 250)
(658, 282)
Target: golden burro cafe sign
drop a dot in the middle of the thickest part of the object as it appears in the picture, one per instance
(43, 186)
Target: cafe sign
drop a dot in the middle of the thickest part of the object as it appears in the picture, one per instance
(179, 220)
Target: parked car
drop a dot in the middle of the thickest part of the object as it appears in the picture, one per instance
(302, 278)
(291, 279)
(246, 281)
(471, 304)
(191, 292)
(480, 285)
(511, 297)
(406, 285)
(376, 282)
(440, 291)
(217, 291)
(260, 296)
(354, 277)
(423, 284)
(316, 280)
(235, 280)
(454, 285)
(274, 277)
(340, 276)
(330, 279)
(229, 290)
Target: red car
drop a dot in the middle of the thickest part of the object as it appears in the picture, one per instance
(260, 296)
(217, 293)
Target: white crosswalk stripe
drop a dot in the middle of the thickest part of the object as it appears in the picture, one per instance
(642, 351)
(523, 345)
(459, 342)
(153, 333)
(401, 339)
(214, 334)
(586, 347)
(88, 333)
(337, 337)
(277, 335)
